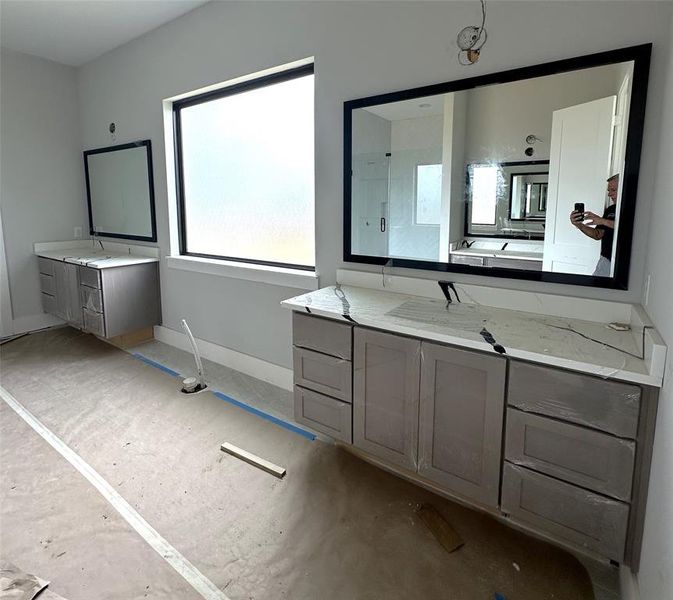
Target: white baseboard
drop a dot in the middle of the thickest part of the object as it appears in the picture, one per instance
(250, 365)
(34, 322)
(628, 584)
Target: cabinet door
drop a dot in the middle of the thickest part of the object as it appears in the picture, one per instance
(61, 290)
(461, 418)
(386, 369)
(66, 284)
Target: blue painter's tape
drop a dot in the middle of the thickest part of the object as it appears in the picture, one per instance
(260, 413)
(156, 365)
(251, 409)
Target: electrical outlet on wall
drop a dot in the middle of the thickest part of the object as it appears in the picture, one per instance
(648, 281)
(78, 233)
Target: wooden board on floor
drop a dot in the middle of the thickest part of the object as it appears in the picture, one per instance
(132, 338)
(446, 535)
(256, 461)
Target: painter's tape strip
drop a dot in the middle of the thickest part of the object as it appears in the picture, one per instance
(251, 409)
(206, 588)
(154, 363)
(260, 413)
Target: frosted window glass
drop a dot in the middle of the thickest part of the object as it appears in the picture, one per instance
(428, 194)
(248, 174)
(484, 195)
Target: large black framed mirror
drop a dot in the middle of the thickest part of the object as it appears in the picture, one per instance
(120, 191)
(529, 173)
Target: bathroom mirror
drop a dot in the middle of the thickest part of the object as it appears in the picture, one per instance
(120, 191)
(484, 175)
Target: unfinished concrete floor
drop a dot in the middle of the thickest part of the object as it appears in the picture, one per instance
(334, 528)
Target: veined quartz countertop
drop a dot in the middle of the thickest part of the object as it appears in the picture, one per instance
(96, 259)
(488, 253)
(557, 341)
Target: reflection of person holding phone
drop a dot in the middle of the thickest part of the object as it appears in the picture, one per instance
(599, 228)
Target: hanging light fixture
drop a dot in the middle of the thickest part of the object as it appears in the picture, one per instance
(471, 40)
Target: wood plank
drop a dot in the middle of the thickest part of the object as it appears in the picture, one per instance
(446, 535)
(254, 460)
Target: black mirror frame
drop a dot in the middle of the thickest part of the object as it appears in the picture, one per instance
(640, 55)
(150, 173)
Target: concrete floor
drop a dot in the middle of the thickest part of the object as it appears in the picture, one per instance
(334, 528)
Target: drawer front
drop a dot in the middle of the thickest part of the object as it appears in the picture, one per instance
(326, 374)
(323, 413)
(322, 335)
(45, 265)
(49, 304)
(513, 263)
(47, 284)
(477, 261)
(606, 405)
(91, 299)
(594, 460)
(94, 322)
(565, 511)
(89, 277)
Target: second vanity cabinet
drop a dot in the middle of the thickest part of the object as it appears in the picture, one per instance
(560, 453)
(107, 302)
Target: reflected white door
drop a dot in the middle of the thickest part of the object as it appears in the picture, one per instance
(581, 144)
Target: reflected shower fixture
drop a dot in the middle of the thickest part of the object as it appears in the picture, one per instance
(471, 40)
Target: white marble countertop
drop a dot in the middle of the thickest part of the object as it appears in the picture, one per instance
(96, 259)
(558, 341)
(514, 254)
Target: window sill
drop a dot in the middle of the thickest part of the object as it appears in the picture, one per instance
(294, 278)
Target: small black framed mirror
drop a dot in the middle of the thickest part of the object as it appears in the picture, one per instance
(485, 175)
(120, 191)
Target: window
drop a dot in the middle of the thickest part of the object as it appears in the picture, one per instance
(484, 194)
(245, 171)
(428, 194)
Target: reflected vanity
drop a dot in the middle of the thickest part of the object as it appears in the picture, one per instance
(484, 173)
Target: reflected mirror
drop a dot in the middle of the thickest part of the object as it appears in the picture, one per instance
(530, 173)
(120, 191)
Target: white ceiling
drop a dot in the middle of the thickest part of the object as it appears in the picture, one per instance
(428, 106)
(74, 32)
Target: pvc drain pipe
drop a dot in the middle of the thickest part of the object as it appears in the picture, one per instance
(192, 385)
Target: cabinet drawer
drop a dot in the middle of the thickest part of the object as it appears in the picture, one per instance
(323, 335)
(323, 413)
(47, 284)
(326, 374)
(477, 261)
(94, 322)
(565, 511)
(49, 304)
(606, 405)
(45, 265)
(594, 460)
(91, 299)
(89, 277)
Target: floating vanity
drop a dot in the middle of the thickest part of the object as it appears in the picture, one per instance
(544, 420)
(107, 292)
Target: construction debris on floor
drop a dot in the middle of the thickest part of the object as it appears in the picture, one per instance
(334, 527)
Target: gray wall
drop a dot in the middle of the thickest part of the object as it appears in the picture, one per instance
(360, 49)
(656, 573)
(41, 171)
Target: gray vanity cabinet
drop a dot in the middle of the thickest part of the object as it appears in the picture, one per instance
(108, 302)
(460, 423)
(386, 370)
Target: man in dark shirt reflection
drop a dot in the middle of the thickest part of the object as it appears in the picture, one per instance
(600, 228)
